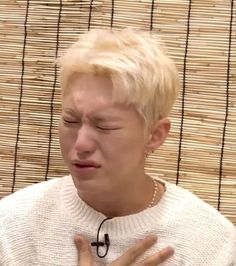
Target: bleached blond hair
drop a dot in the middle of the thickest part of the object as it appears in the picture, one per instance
(141, 73)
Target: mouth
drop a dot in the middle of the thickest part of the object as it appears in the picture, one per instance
(86, 164)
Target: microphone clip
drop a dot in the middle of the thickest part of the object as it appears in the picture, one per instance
(101, 244)
(98, 243)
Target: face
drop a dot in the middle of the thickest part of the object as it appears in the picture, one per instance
(102, 142)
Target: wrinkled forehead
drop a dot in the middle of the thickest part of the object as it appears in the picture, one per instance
(89, 81)
(93, 96)
(85, 87)
(95, 93)
(90, 92)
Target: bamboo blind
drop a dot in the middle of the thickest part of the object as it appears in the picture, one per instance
(200, 153)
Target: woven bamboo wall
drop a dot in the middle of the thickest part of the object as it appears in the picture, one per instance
(200, 154)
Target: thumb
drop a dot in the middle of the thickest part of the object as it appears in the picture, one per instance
(84, 251)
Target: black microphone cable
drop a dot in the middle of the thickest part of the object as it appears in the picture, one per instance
(100, 243)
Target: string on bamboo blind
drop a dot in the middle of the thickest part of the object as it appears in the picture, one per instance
(201, 151)
(90, 14)
(183, 92)
(20, 98)
(53, 92)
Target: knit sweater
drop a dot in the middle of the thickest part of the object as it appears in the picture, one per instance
(38, 225)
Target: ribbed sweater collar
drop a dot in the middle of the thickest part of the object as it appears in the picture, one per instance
(83, 214)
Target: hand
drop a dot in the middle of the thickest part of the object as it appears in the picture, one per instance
(129, 257)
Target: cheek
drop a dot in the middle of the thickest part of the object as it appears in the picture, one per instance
(124, 147)
(66, 138)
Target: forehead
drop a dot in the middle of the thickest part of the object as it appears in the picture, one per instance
(89, 86)
(96, 85)
(91, 94)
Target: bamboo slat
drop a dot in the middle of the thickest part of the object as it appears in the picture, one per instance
(202, 142)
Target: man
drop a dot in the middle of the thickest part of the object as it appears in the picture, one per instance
(118, 88)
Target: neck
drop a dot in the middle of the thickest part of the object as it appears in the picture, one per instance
(126, 199)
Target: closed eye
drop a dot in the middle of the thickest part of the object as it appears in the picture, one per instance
(107, 128)
(70, 121)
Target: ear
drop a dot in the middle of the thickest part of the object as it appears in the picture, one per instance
(158, 134)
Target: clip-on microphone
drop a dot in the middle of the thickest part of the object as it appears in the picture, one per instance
(100, 243)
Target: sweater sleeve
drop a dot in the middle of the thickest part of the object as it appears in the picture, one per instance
(6, 252)
(227, 253)
(14, 234)
(3, 243)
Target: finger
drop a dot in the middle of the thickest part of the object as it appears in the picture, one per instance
(84, 249)
(159, 257)
(131, 255)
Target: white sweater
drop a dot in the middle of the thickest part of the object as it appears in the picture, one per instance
(38, 225)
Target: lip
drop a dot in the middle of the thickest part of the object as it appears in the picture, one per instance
(85, 164)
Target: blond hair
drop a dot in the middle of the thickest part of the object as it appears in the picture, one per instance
(141, 72)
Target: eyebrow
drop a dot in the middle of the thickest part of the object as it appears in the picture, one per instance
(104, 118)
(99, 118)
(71, 112)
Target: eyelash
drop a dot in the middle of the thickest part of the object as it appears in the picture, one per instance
(68, 121)
(103, 128)
(100, 128)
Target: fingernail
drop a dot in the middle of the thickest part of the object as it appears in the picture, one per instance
(152, 238)
(170, 250)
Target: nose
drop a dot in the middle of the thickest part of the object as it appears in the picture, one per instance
(85, 144)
